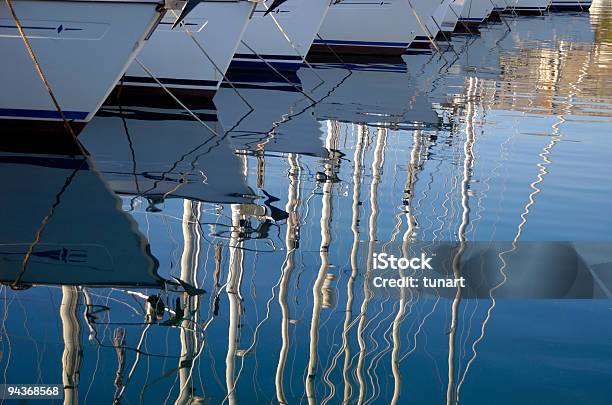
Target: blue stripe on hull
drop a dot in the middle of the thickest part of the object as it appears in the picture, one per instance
(42, 114)
(296, 58)
(361, 43)
(284, 66)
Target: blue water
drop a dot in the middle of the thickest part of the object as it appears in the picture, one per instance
(504, 136)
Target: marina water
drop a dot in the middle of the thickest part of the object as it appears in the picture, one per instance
(501, 136)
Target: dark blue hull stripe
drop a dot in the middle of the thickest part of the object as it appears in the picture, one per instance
(361, 43)
(528, 8)
(421, 38)
(265, 56)
(44, 114)
(285, 88)
(240, 64)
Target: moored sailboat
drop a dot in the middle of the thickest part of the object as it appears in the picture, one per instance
(570, 5)
(527, 7)
(475, 12)
(71, 43)
(429, 18)
(362, 27)
(499, 6)
(280, 34)
(451, 17)
(435, 22)
(191, 59)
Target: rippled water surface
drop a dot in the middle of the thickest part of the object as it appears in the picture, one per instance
(505, 136)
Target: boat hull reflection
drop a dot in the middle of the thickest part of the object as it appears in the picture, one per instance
(159, 153)
(50, 235)
(381, 94)
(282, 119)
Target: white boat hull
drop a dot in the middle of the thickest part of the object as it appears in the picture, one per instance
(570, 5)
(83, 48)
(431, 14)
(282, 38)
(451, 17)
(527, 6)
(362, 27)
(500, 5)
(434, 24)
(423, 12)
(475, 12)
(191, 59)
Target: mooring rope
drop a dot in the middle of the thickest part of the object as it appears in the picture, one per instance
(499, 13)
(288, 39)
(269, 65)
(459, 20)
(41, 74)
(210, 59)
(426, 31)
(169, 92)
(446, 38)
(43, 78)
